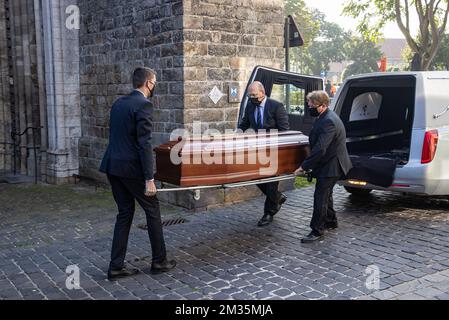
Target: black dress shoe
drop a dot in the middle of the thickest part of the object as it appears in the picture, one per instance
(121, 273)
(331, 225)
(266, 220)
(164, 266)
(313, 236)
(282, 199)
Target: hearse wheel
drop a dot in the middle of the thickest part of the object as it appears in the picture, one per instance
(358, 192)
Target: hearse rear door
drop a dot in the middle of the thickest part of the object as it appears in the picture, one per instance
(276, 83)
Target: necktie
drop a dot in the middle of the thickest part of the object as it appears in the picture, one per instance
(259, 118)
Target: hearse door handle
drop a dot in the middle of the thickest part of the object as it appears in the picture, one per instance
(438, 115)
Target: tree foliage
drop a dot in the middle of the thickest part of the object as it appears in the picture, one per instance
(432, 14)
(441, 60)
(364, 55)
(308, 26)
(304, 18)
(327, 47)
(327, 42)
(323, 40)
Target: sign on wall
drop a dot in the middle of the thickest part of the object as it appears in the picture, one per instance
(215, 95)
(234, 94)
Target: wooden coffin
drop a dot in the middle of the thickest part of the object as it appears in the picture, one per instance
(202, 161)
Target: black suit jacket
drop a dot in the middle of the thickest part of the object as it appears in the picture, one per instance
(274, 116)
(329, 156)
(130, 153)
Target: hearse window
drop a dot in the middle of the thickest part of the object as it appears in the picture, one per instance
(366, 107)
(297, 98)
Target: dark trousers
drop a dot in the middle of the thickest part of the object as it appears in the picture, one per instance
(273, 195)
(323, 204)
(125, 192)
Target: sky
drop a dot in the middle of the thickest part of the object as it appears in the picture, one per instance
(333, 8)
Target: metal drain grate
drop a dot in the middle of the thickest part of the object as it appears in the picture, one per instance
(172, 222)
(166, 223)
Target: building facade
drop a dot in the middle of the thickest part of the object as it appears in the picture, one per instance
(63, 63)
(59, 78)
(40, 116)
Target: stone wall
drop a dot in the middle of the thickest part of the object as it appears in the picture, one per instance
(117, 36)
(19, 104)
(41, 89)
(5, 118)
(66, 80)
(193, 45)
(60, 42)
(223, 41)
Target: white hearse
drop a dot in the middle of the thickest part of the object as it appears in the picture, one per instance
(397, 127)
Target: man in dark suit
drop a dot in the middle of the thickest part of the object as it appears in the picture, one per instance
(264, 113)
(128, 163)
(329, 161)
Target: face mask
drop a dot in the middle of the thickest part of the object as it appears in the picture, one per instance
(254, 101)
(151, 93)
(314, 112)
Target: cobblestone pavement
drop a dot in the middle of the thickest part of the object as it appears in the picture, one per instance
(222, 254)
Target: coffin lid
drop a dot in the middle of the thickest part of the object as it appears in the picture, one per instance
(236, 141)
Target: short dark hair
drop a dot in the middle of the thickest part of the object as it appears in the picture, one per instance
(142, 75)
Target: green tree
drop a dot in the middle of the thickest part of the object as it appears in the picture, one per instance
(304, 18)
(364, 55)
(432, 14)
(441, 60)
(327, 47)
(308, 26)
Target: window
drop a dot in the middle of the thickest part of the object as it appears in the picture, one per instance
(297, 97)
